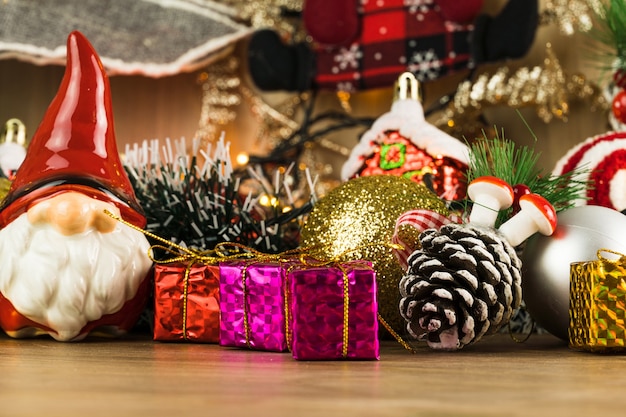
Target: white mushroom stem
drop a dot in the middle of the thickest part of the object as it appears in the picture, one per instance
(485, 210)
(489, 195)
(536, 215)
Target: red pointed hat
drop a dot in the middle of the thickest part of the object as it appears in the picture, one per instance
(74, 147)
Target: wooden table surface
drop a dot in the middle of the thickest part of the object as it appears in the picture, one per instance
(136, 376)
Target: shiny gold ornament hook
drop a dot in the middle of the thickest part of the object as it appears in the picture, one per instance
(14, 131)
(407, 87)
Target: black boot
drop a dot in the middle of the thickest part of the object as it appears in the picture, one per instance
(508, 35)
(275, 66)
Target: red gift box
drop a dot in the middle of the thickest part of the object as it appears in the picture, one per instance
(321, 327)
(186, 302)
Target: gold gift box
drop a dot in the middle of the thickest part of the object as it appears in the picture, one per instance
(597, 307)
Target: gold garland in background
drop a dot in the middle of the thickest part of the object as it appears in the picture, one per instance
(262, 14)
(220, 98)
(276, 123)
(224, 92)
(547, 88)
(569, 15)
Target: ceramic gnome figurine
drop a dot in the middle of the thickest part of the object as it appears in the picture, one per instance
(69, 269)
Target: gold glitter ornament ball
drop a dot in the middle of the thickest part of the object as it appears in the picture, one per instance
(361, 212)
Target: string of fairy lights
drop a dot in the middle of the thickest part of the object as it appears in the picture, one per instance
(290, 133)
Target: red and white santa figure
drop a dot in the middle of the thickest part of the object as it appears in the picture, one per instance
(67, 268)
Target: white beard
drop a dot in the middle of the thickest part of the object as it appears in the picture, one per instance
(64, 282)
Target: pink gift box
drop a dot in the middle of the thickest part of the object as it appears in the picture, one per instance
(317, 312)
(262, 305)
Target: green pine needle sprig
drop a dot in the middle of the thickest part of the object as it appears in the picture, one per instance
(502, 158)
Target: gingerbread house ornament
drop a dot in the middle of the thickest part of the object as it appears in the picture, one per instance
(401, 142)
(69, 269)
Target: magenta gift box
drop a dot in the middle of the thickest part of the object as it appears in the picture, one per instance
(262, 305)
(317, 311)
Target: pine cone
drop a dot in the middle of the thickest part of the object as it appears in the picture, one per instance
(464, 283)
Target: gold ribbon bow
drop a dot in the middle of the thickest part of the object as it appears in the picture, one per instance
(617, 271)
(620, 260)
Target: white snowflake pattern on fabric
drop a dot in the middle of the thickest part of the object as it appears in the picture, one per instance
(455, 27)
(348, 87)
(348, 57)
(426, 65)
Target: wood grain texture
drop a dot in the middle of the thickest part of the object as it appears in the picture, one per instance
(137, 376)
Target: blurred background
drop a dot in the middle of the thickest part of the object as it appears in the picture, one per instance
(559, 91)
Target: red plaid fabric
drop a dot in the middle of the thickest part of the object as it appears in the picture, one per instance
(421, 219)
(395, 36)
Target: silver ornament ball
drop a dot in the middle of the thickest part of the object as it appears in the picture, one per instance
(546, 260)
